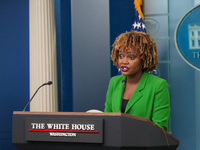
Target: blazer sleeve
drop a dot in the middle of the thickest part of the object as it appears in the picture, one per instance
(161, 106)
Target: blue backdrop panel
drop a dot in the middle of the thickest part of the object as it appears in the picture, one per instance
(64, 54)
(14, 64)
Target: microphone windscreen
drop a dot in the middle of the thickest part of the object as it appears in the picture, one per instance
(123, 81)
(50, 82)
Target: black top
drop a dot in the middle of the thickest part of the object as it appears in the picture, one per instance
(124, 103)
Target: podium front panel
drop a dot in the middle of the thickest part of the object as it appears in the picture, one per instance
(119, 131)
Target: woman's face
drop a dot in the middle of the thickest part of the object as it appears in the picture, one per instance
(129, 63)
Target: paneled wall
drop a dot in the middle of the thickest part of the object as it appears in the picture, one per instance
(156, 16)
(90, 53)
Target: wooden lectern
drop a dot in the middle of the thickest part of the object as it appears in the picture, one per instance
(88, 131)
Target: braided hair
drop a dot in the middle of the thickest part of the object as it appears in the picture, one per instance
(139, 42)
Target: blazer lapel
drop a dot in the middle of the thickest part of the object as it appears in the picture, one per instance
(137, 93)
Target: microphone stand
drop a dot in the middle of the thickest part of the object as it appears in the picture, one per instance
(123, 82)
(48, 83)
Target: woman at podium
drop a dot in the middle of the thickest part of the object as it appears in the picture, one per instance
(136, 91)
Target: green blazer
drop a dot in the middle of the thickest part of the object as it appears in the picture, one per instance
(150, 99)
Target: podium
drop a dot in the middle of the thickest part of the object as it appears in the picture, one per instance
(88, 131)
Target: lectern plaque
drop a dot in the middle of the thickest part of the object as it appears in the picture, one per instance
(64, 130)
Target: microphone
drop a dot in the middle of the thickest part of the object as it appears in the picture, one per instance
(48, 83)
(123, 82)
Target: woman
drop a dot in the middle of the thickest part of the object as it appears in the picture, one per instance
(145, 95)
